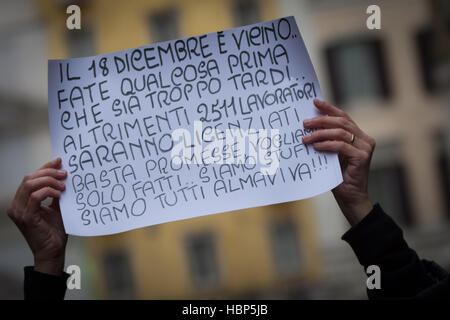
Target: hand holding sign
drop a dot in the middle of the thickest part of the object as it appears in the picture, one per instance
(42, 226)
(186, 128)
(355, 148)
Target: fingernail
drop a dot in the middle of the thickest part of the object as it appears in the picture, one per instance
(306, 122)
(62, 172)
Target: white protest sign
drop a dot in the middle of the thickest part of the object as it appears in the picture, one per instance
(186, 128)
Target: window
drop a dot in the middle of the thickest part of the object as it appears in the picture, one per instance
(246, 12)
(119, 280)
(424, 42)
(285, 247)
(432, 43)
(80, 43)
(427, 48)
(443, 165)
(164, 25)
(357, 70)
(388, 184)
(202, 260)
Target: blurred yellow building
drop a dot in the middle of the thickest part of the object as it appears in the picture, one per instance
(255, 253)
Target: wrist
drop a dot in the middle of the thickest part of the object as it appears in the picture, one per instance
(356, 211)
(53, 266)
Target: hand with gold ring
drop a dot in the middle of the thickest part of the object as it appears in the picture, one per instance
(354, 147)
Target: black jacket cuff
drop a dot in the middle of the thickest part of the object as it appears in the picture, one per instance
(41, 286)
(374, 236)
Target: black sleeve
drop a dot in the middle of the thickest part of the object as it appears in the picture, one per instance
(41, 286)
(377, 240)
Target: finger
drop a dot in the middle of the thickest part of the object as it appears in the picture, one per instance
(329, 109)
(330, 122)
(55, 163)
(340, 147)
(337, 118)
(32, 185)
(55, 173)
(328, 134)
(336, 134)
(26, 186)
(35, 199)
(29, 182)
